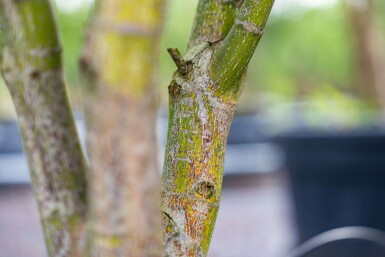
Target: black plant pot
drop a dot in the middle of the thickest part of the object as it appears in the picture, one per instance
(337, 180)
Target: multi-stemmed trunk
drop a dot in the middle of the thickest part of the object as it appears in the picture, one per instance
(118, 69)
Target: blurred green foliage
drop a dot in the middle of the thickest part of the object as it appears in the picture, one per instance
(72, 27)
(305, 56)
(300, 50)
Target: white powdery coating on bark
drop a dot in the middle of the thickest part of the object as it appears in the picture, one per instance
(53, 152)
(208, 119)
(249, 27)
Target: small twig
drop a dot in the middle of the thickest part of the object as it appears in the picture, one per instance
(178, 59)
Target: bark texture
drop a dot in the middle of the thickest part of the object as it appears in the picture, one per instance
(202, 104)
(369, 47)
(32, 68)
(119, 64)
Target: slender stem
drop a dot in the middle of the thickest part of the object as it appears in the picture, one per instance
(119, 63)
(238, 47)
(213, 21)
(32, 68)
(368, 42)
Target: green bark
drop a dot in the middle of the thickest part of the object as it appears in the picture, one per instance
(234, 53)
(32, 69)
(119, 64)
(201, 107)
(213, 20)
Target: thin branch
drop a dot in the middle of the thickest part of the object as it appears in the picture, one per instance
(213, 21)
(32, 69)
(178, 59)
(368, 42)
(236, 50)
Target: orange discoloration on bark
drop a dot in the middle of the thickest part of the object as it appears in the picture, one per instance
(202, 104)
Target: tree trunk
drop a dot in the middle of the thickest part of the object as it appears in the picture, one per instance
(119, 64)
(32, 69)
(203, 95)
(369, 48)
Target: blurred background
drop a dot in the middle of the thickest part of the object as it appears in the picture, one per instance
(306, 151)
